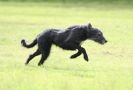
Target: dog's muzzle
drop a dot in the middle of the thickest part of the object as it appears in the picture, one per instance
(104, 41)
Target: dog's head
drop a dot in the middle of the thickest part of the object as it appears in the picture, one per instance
(95, 35)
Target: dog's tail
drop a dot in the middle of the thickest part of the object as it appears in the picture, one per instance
(24, 44)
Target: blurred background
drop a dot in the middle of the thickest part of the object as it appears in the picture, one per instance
(110, 66)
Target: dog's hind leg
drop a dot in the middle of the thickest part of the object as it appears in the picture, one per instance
(76, 54)
(45, 51)
(32, 56)
(43, 58)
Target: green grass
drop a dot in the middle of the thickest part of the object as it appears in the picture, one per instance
(110, 66)
(68, 1)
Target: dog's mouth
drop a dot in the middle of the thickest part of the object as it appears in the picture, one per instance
(103, 42)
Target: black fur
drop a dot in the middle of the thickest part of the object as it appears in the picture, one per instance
(68, 39)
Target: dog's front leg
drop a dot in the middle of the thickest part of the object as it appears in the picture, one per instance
(74, 46)
(81, 49)
(76, 54)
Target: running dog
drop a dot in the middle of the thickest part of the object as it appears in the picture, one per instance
(67, 39)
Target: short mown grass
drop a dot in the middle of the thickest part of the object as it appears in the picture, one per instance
(110, 66)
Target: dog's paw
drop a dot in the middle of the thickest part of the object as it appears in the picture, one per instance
(26, 64)
(40, 64)
(72, 57)
(86, 59)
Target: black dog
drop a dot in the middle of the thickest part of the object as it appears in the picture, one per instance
(68, 39)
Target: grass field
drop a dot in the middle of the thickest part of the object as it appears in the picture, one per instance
(110, 66)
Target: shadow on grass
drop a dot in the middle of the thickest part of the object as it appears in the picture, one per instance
(78, 72)
(73, 71)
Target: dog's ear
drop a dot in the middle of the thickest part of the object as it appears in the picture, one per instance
(89, 26)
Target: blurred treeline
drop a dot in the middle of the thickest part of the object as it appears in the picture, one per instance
(129, 1)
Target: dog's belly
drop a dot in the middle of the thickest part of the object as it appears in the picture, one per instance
(67, 47)
(60, 43)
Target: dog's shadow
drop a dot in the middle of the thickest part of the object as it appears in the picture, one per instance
(88, 73)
